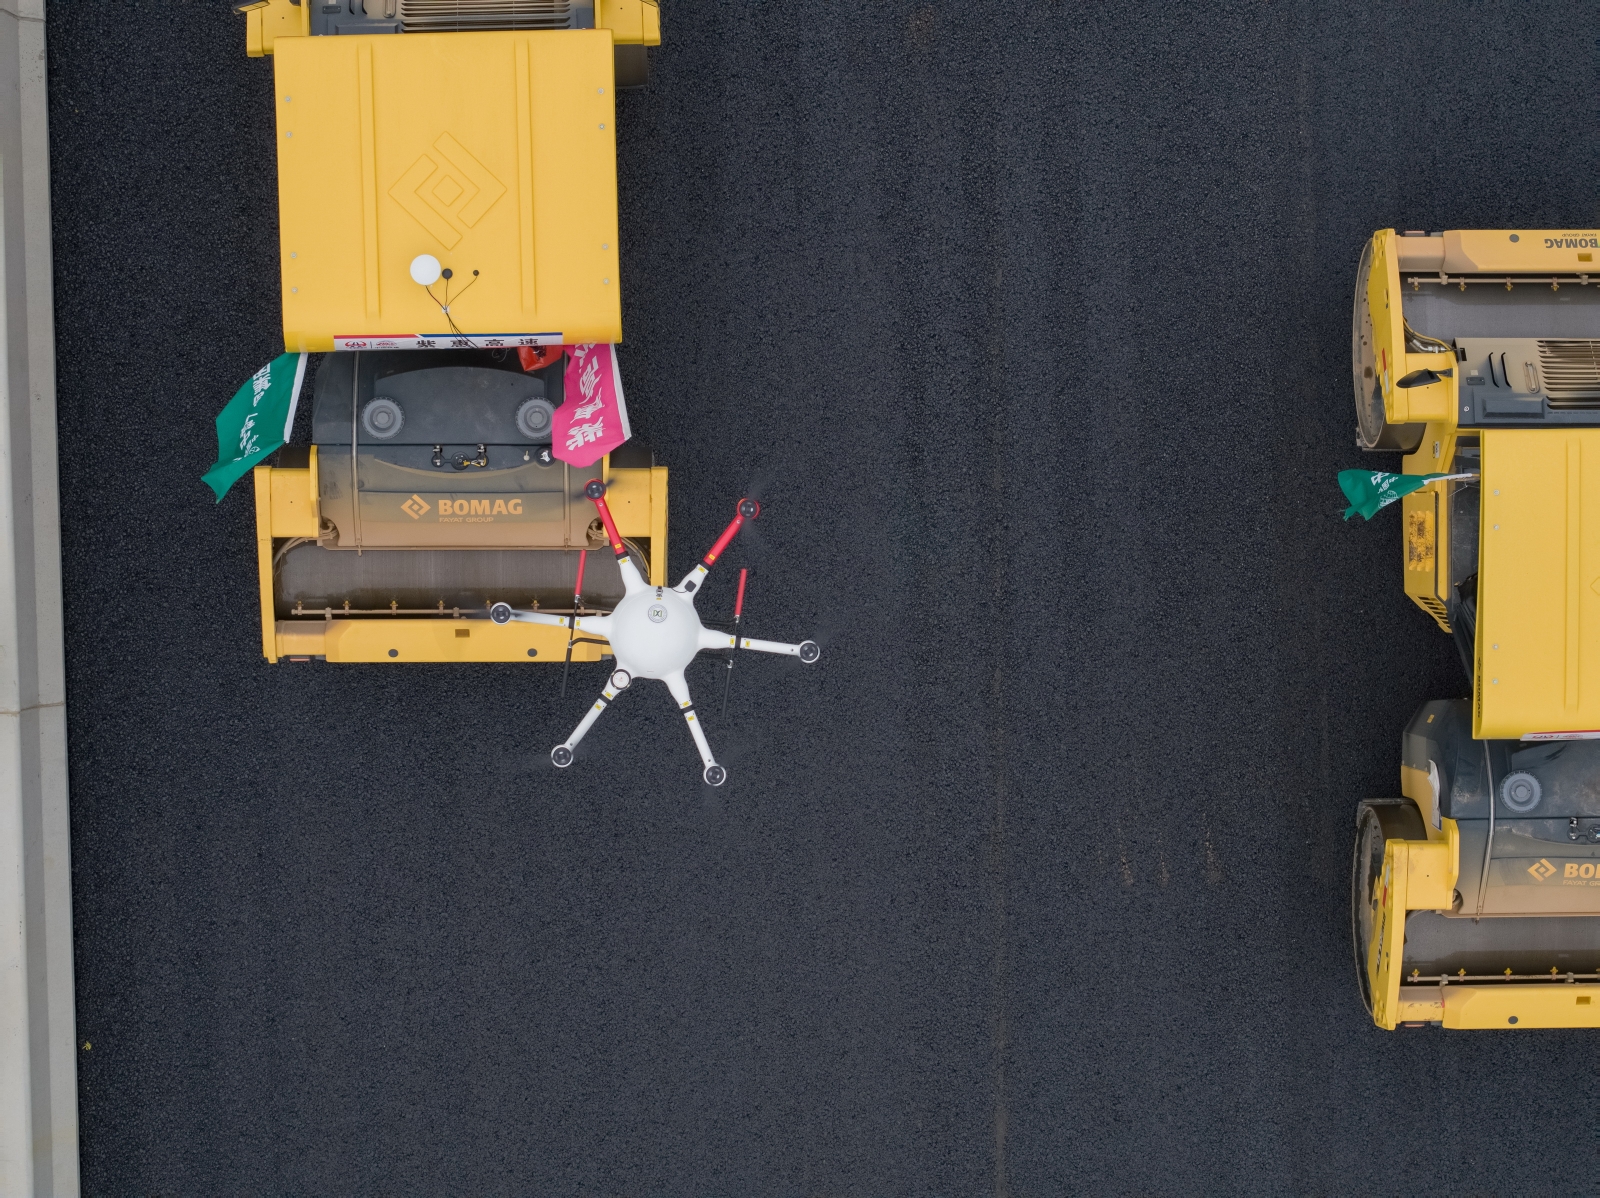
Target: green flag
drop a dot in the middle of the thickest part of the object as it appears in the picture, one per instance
(1369, 490)
(257, 420)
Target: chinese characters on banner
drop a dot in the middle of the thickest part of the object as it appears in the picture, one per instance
(257, 420)
(593, 419)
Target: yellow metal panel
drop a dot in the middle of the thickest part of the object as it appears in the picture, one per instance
(253, 32)
(1520, 251)
(294, 503)
(1544, 1004)
(301, 638)
(525, 238)
(658, 526)
(1388, 329)
(494, 152)
(638, 502)
(1383, 952)
(262, 477)
(369, 180)
(1425, 542)
(632, 22)
(1417, 875)
(1436, 401)
(1543, 881)
(1420, 1004)
(622, 17)
(1432, 869)
(1539, 583)
(1419, 521)
(628, 497)
(270, 20)
(401, 640)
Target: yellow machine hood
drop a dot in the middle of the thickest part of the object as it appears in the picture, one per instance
(493, 152)
(1538, 629)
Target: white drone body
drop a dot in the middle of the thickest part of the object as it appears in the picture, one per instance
(655, 632)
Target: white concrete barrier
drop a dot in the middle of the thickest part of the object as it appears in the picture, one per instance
(38, 1050)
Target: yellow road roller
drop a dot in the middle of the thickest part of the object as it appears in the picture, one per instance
(1475, 895)
(447, 202)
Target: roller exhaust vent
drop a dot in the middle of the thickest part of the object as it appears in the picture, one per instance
(1571, 373)
(448, 16)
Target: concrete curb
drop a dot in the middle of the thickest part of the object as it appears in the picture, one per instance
(38, 1050)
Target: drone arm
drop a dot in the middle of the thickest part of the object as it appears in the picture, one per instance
(562, 753)
(710, 638)
(504, 613)
(533, 617)
(632, 580)
(748, 509)
(679, 689)
(806, 651)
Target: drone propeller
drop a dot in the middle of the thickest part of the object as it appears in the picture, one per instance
(738, 613)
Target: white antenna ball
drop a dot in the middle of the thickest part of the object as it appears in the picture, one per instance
(425, 270)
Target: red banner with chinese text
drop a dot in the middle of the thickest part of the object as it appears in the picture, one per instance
(593, 417)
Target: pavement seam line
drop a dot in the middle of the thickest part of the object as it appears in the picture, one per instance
(31, 707)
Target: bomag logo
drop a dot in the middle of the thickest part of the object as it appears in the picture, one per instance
(474, 511)
(480, 507)
(1582, 242)
(1542, 870)
(1586, 870)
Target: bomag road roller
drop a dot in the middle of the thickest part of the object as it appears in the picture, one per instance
(447, 203)
(1476, 895)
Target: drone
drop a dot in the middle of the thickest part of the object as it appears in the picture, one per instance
(655, 632)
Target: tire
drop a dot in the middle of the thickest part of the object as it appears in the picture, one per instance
(1378, 821)
(1373, 430)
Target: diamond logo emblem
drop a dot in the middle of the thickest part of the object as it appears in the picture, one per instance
(447, 191)
(1541, 869)
(416, 507)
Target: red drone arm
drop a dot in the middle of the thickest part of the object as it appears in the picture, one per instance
(738, 604)
(577, 587)
(748, 509)
(596, 491)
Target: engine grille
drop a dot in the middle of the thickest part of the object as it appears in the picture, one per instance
(1571, 373)
(438, 16)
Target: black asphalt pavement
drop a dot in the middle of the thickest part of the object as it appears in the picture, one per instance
(1029, 323)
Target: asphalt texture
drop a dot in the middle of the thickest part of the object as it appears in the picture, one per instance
(1029, 323)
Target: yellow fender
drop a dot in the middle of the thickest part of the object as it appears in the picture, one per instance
(1418, 875)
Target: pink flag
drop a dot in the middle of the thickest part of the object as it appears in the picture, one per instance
(593, 419)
